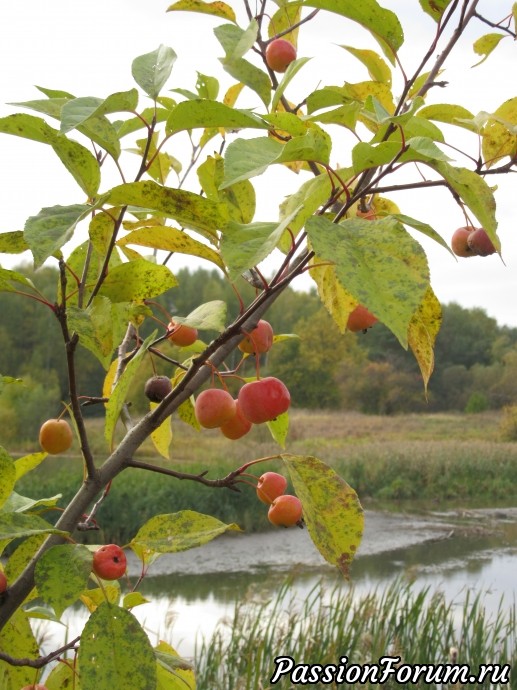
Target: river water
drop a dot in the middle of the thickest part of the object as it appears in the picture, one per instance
(455, 552)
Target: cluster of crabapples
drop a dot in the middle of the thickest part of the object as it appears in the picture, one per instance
(285, 510)
(257, 402)
(470, 241)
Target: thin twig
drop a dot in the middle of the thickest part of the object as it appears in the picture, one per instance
(41, 660)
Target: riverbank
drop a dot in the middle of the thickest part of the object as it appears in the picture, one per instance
(285, 549)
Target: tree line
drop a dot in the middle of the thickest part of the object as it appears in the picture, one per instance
(475, 368)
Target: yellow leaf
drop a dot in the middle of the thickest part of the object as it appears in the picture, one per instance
(338, 302)
(162, 436)
(500, 133)
(422, 333)
(331, 509)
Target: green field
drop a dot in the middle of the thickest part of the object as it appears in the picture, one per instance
(392, 462)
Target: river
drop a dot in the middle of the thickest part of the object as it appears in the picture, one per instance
(453, 551)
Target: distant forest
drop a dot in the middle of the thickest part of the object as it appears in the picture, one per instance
(475, 370)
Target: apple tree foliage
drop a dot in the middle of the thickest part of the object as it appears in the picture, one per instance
(339, 224)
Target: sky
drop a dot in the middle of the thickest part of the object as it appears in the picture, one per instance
(88, 50)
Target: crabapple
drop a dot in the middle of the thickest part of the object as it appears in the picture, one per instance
(360, 319)
(271, 485)
(181, 334)
(55, 436)
(214, 407)
(157, 388)
(3, 582)
(263, 400)
(480, 243)
(260, 339)
(237, 426)
(285, 511)
(459, 241)
(279, 54)
(109, 562)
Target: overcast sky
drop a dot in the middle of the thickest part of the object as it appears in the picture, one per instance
(88, 49)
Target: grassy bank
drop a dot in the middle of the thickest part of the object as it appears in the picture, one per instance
(419, 626)
(438, 459)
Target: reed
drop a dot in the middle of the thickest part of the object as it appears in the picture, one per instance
(418, 625)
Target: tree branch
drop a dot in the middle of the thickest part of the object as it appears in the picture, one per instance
(41, 660)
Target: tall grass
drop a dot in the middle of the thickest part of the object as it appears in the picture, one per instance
(386, 460)
(419, 626)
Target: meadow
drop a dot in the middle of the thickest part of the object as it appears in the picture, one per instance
(417, 461)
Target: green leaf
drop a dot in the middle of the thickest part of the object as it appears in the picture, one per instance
(146, 116)
(63, 677)
(424, 228)
(290, 73)
(172, 240)
(62, 573)
(247, 158)
(115, 652)
(22, 555)
(94, 326)
(475, 193)
(152, 70)
(278, 428)
(22, 504)
(208, 316)
(217, 8)
(203, 113)
(234, 41)
(118, 395)
(381, 23)
(28, 127)
(13, 242)
(485, 45)
(47, 232)
(435, 8)
(137, 280)
(207, 87)
(18, 641)
(175, 532)
(331, 509)
(11, 280)
(239, 198)
(16, 525)
(133, 599)
(27, 463)
(189, 209)
(76, 111)
(377, 68)
(82, 165)
(450, 114)
(7, 475)
(378, 263)
(245, 246)
(365, 156)
(423, 149)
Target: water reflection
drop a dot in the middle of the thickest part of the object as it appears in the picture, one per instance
(185, 605)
